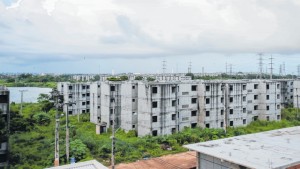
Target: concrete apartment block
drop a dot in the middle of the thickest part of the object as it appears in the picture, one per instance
(166, 107)
(4, 108)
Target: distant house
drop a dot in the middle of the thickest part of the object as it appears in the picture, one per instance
(278, 149)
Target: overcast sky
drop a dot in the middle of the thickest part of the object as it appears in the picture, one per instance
(92, 36)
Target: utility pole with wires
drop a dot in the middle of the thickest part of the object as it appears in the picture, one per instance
(22, 94)
(164, 66)
(271, 67)
(260, 65)
(298, 69)
(68, 131)
(55, 94)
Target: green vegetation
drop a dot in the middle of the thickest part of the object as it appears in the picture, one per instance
(138, 78)
(121, 78)
(30, 80)
(150, 79)
(32, 138)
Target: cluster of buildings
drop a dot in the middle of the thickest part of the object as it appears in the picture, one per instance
(4, 113)
(170, 104)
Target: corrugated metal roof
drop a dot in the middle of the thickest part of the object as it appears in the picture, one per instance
(93, 164)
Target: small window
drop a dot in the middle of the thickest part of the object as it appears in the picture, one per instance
(133, 100)
(291, 90)
(244, 121)
(268, 97)
(194, 100)
(194, 113)
(88, 94)
(87, 86)
(231, 99)
(278, 117)
(255, 86)
(154, 119)
(173, 116)
(133, 126)
(278, 86)
(112, 88)
(154, 104)
(154, 133)
(87, 102)
(87, 110)
(222, 99)
(244, 87)
(154, 90)
(173, 103)
(255, 118)
(231, 111)
(207, 113)
(256, 107)
(255, 97)
(194, 87)
(222, 124)
(70, 112)
(268, 107)
(207, 88)
(133, 87)
(98, 107)
(173, 89)
(222, 112)
(173, 130)
(83, 87)
(70, 87)
(268, 118)
(98, 96)
(207, 100)
(82, 111)
(83, 103)
(278, 96)
(230, 87)
(267, 86)
(70, 96)
(98, 86)
(207, 125)
(244, 98)
(83, 95)
(231, 123)
(193, 125)
(244, 110)
(134, 114)
(278, 106)
(111, 111)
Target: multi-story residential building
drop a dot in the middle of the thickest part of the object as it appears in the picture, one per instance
(4, 113)
(166, 107)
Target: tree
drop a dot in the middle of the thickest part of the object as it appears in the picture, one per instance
(78, 149)
(138, 78)
(44, 101)
(123, 78)
(149, 79)
(42, 118)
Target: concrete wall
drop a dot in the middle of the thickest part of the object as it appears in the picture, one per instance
(209, 162)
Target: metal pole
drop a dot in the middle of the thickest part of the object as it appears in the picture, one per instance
(67, 135)
(113, 138)
(297, 107)
(56, 160)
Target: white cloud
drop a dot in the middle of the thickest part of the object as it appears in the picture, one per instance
(158, 27)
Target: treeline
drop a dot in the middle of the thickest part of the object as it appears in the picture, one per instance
(32, 138)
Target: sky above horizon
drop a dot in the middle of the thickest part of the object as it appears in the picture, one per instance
(98, 36)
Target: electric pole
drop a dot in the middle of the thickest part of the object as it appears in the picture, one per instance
(164, 66)
(190, 67)
(68, 131)
(57, 117)
(22, 93)
(298, 71)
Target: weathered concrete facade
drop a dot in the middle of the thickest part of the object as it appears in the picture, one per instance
(4, 112)
(166, 107)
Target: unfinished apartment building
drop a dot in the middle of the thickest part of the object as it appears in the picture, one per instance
(4, 113)
(166, 107)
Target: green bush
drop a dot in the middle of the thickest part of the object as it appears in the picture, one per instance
(42, 118)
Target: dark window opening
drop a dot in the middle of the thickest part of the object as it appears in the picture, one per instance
(194, 113)
(154, 90)
(244, 121)
(194, 100)
(173, 116)
(207, 125)
(255, 86)
(207, 100)
(193, 125)
(231, 123)
(231, 99)
(154, 133)
(112, 88)
(173, 89)
(207, 113)
(231, 111)
(154, 119)
(154, 104)
(173, 103)
(207, 88)
(194, 87)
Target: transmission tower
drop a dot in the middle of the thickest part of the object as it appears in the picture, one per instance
(190, 67)
(22, 94)
(260, 64)
(298, 71)
(271, 67)
(164, 66)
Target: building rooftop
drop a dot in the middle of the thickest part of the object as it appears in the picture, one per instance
(185, 160)
(271, 149)
(93, 164)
